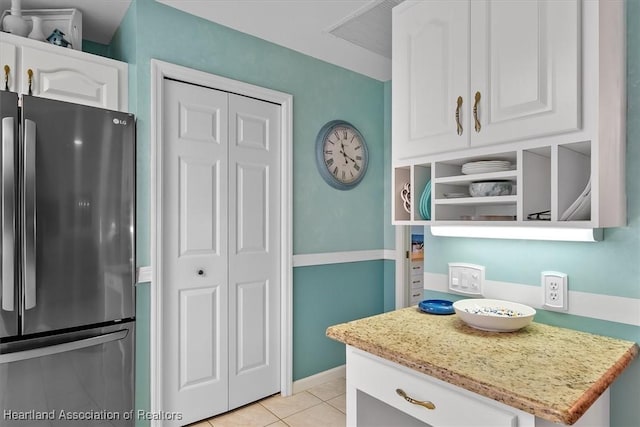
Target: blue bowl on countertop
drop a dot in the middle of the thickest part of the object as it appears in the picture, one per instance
(436, 306)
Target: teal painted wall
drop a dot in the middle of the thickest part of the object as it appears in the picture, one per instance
(610, 267)
(322, 295)
(325, 296)
(96, 48)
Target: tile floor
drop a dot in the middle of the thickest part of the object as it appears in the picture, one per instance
(320, 406)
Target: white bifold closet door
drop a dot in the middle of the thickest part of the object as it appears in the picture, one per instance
(221, 250)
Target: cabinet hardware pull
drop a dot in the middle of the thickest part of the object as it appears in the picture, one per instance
(30, 74)
(475, 112)
(404, 395)
(459, 126)
(7, 69)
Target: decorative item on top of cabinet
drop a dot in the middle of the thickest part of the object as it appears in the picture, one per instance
(13, 22)
(68, 21)
(36, 30)
(511, 65)
(543, 87)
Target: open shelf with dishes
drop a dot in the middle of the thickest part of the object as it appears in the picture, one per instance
(476, 188)
(412, 200)
(534, 186)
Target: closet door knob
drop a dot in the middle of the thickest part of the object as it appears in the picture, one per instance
(200, 272)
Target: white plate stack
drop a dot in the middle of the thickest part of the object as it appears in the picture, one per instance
(486, 166)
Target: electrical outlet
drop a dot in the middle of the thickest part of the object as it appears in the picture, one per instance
(555, 295)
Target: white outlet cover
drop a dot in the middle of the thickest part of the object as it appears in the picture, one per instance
(561, 300)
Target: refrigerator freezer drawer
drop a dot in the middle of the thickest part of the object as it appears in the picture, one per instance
(83, 375)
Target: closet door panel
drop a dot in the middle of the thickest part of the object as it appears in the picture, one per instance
(254, 250)
(194, 252)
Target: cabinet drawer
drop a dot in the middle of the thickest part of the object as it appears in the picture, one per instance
(417, 268)
(416, 283)
(454, 406)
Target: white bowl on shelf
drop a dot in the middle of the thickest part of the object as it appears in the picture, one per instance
(490, 188)
(494, 315)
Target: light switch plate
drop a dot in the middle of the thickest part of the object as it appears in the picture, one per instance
(466, 279)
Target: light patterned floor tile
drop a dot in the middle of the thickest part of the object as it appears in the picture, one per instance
(250, 416)
(200, 424)
(279, 423)
(323, 415)
(330, 389)
(340, 403)
(285, 406)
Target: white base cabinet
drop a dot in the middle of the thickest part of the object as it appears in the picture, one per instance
(373, 399)
(48, 71)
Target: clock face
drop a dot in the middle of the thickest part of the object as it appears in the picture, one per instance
(342, 155)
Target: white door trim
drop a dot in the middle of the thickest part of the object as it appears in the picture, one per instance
(159, 71)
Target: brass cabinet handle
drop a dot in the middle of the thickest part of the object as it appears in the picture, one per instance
(459, 126)
(404, 395)
(30, 74)
(475, 112)
(7, 70)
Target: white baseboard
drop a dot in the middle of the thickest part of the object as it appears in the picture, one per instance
(319, 378)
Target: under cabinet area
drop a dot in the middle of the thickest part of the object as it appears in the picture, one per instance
(533, 186)
(41, 69)
(550, 101)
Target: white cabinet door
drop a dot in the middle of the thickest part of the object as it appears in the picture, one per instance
(430, 73)
(525, 64)
(8, 58)
(66, 78)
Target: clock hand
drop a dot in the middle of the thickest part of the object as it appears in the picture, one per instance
(348, 157)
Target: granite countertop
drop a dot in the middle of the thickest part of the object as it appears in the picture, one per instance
(551, 372)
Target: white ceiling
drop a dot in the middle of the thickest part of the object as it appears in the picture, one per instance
(301, 25)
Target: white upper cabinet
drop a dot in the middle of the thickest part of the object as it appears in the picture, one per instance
(483, 72)
(48, 71)
(542, 89)
(525, 69)
(430, 72)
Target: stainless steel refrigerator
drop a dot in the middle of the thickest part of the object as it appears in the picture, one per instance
(67, 311)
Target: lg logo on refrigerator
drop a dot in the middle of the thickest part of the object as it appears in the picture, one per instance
(117, 121)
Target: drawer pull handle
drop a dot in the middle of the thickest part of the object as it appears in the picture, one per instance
(459, 126)
(475, 112)
(404, 395)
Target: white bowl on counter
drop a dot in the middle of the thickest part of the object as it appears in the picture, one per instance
(494, 315)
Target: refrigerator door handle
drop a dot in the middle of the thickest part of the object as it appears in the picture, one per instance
(29, 218)
(8, 208)
(62, 348)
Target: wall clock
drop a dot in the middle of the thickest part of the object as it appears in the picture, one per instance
(341, 154)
